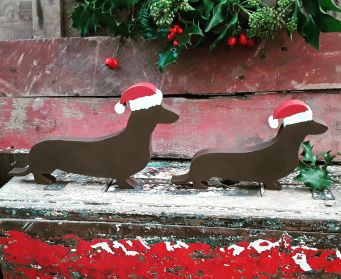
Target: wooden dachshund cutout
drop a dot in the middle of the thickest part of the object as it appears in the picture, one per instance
(266, 162)
(116, 156)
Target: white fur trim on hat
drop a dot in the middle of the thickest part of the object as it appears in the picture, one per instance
(147, 101)
(119, 108)
(298, 117)
(273, 123)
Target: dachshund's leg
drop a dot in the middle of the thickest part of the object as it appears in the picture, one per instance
(228, 182)
(274, 185)
(197, 184)
(44, 178)
(126, 183)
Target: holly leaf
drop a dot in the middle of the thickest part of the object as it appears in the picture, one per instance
(122, 3)
(219, 15)
(308, 153)
(327, 23)
(191, 30)
(208, 6)
(80, 19)
(328, 159)
(311, 6)
(310, 32)
(167, 57)
(329, 5)
(315, 178)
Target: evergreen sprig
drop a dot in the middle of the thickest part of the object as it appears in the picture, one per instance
(217, 20)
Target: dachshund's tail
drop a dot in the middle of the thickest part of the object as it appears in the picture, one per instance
(20, 171)
(181, 179)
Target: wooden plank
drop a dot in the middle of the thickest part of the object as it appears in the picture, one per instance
(15, 20)
(47, 18)
(81, 198)
(222, 122)
(74, 66)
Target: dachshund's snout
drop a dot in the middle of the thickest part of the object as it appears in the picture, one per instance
(318, 128)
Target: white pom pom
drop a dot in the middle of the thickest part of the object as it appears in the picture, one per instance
(119, 108)
(273, 123)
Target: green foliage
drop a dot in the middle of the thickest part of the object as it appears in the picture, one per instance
(217, 20)
(310, 173)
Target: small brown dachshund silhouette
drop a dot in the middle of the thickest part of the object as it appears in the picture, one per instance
(266, 162)
(116, 156)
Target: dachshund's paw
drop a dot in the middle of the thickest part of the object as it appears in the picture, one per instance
(200, 185)
(273, 186)
(128, 183)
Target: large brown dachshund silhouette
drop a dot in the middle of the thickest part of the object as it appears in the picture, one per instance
(265, 163)
(116, 156)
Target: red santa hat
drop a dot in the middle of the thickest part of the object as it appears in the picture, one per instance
(141, 95)
(292, 112)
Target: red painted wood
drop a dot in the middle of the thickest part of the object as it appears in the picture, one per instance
(75, 66)
(224, 121)
(30, 257)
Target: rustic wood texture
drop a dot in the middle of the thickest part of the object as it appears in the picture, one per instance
(74, 67)
(234, 123)
(82, 198)
(15, 20)
(73, 228)
(47, 18)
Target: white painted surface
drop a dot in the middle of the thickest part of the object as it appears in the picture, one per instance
(158, 196)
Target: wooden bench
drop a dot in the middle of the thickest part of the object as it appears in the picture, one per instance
(74, 228)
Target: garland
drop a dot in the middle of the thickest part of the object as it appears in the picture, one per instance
(189, 23)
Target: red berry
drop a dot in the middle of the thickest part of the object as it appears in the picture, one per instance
(175, 43)
(112, 63)
(250, 42)
(243, 39)
(180, 30)
(172, 30)
(170, 37)
(231, 41)
(176, 26)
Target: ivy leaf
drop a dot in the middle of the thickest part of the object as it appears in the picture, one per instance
(218, 16)
(329, 5)
(328, 159)
(167, 57)
(315, 178)
(327, 23)
(310, 32)
(308, 153)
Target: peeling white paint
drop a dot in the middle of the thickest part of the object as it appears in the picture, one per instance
(129, 243)
(304, 247)
(118, 245)
(338, 254)
(118, 226)
(179, 244)
(20, 59)
(261, 245)
(143, 242)
(236, 249)
(104, 246)
(301, 260)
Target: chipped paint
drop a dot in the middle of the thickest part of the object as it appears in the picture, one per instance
(25, 256)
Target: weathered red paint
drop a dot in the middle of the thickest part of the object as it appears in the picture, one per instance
(74, 66)
(222, 122)
(105, 258)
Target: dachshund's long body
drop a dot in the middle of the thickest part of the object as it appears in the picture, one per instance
(266, 162)
(117, 156)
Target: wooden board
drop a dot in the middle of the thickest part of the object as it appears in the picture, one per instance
(47, 18)
(223, 122)
(74, 67)
(15, 20)
(73, 228)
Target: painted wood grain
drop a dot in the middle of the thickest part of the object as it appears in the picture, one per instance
(222, 122)
(74, 67)
(47, 18)
(15, 20)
